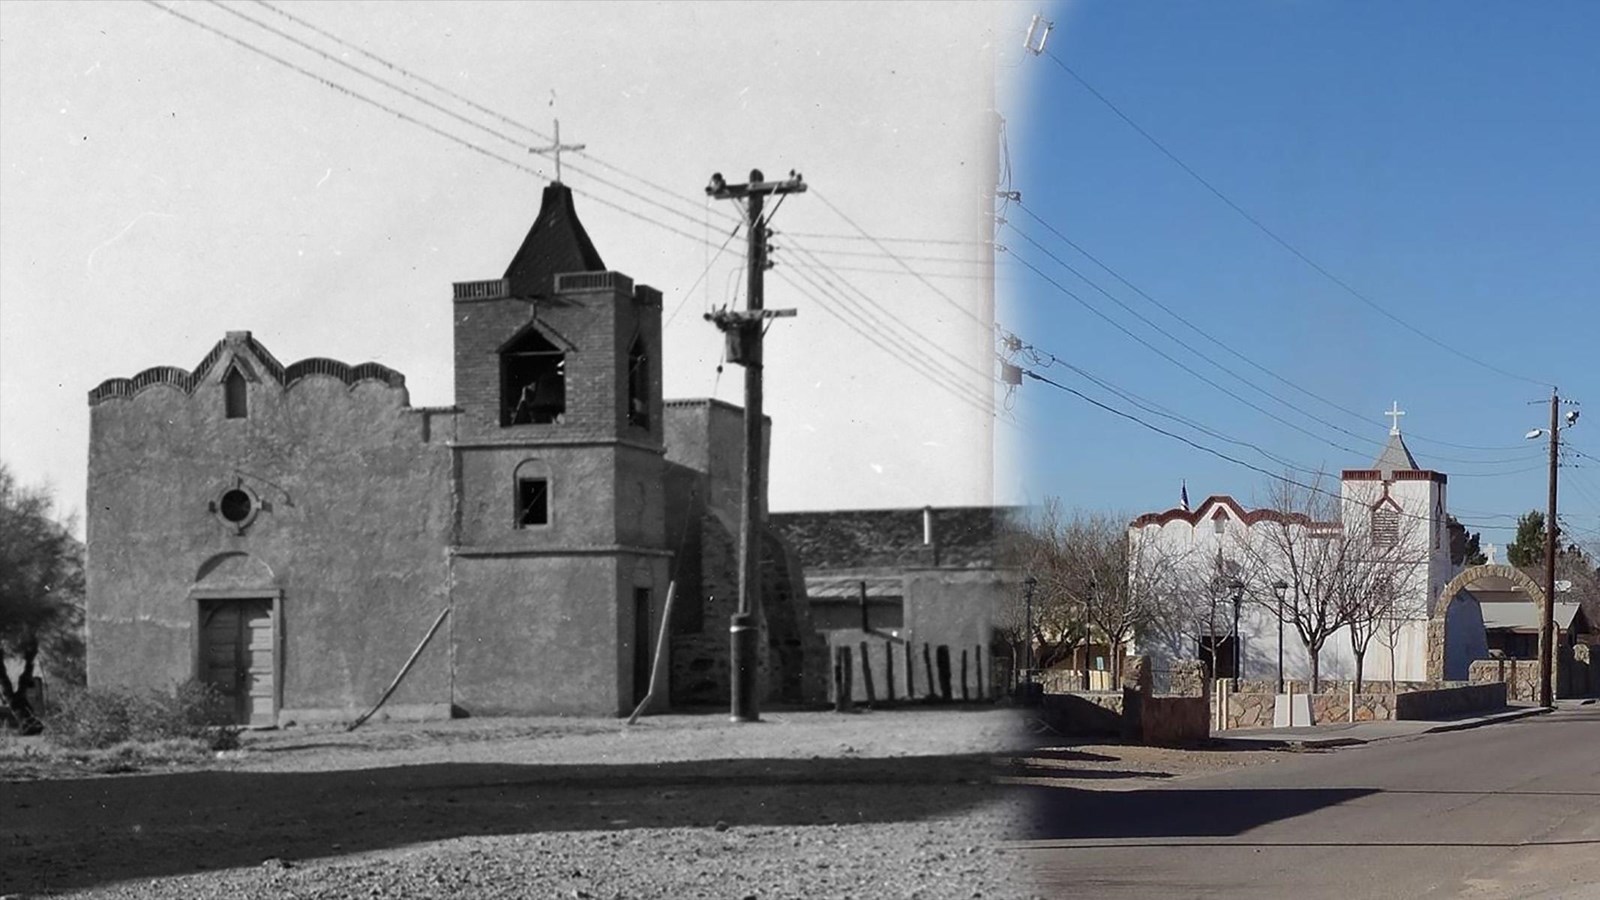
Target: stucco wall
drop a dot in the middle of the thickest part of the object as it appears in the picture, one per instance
(955, 608)
(354, 504)
(546, 634)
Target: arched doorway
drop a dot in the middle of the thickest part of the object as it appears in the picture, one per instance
(1452, 627)
(237, 615)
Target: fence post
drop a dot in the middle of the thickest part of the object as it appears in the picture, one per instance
(927, 664)
(842, 686)
(866, 675)
(888, 668)
(943, 655)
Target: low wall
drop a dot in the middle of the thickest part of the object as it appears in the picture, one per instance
(1134, 713)
(1331, 686)
(1256, 710)
(1174, 720)
(1084, 712)
(1577, 674)
(1448, 701)
(1521, 677)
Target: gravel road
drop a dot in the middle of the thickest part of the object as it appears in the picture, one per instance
(883, 804)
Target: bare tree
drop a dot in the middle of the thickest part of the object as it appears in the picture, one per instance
(1126, 581)
(1039, 550)
(1303, 541)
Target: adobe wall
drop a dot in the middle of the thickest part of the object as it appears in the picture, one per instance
(537, 634)
(353, 512)
(955, 608)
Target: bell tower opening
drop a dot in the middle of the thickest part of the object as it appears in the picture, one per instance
(533, 379)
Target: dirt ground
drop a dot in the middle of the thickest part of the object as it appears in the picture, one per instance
(900, 803)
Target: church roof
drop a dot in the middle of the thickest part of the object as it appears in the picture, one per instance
(556, 244)
(243, 343)
(1396, 457)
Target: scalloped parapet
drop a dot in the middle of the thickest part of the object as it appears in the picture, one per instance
(187, 381)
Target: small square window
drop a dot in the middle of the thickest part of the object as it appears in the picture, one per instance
(533, 502)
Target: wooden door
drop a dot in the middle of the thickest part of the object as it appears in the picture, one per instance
(236, 656)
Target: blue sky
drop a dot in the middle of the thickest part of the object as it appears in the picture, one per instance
(1440, 159)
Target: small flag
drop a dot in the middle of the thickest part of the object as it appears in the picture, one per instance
(1185, 495)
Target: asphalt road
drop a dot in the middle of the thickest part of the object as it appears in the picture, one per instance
(1508, 810)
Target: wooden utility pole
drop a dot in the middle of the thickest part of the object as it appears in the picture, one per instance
(745, 331)
(1547, 644)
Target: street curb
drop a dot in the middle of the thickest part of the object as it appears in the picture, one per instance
(1511, 716)
(1329, 743)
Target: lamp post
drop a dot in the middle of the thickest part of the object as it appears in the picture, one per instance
(1237, 587)
(1088, 635)
(1028, 584)
(1279, 587)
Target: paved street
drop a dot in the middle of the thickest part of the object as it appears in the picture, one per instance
(1508, 810)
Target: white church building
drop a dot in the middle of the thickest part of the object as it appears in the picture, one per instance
(1221, 550)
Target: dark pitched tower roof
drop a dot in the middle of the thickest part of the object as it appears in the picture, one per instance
(556, 244)
(1396, 457)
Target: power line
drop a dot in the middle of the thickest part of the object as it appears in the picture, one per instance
(1225, 346)
(1039, 356)
(1201, 354)
(451, 113)
(469, 102)
(899, 354)
(933, 348)
(1214, 452)
(1278, 239)
(689, 292)
(987, 326)
(406, 117)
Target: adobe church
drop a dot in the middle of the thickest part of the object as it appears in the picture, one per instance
(292, 533)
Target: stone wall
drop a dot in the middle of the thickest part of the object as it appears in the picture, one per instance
(1521, 677)
(1256, 709)
(1187, 678)
(1455, 699)
(1084, 713)
(1134, 713)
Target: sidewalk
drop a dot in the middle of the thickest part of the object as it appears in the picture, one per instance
(1343, 734)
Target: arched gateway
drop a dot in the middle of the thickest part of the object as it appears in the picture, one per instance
(1454, 642)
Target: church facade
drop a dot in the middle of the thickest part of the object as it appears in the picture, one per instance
(295, 534)
(1394, 509)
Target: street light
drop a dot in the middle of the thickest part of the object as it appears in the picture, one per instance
(1237, 587)
(1279, 587)
(1028, 584)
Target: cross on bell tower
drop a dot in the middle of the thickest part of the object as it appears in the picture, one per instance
(555, 149)
(1394, 415)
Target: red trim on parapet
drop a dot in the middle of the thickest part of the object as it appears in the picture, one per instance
(1215, 502)
(1397, 475)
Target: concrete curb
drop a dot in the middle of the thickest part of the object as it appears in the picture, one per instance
(1510, 716)
(1328, 743)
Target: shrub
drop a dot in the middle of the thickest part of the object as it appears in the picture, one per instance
(102, 717)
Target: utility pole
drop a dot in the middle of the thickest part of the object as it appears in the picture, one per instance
(1552, 534)
(744, 334)
(1547, 625)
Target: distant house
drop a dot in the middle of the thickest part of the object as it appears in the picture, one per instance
(1511, 617)
(919, 587)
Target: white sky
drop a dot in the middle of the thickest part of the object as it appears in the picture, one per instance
(160, 185)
